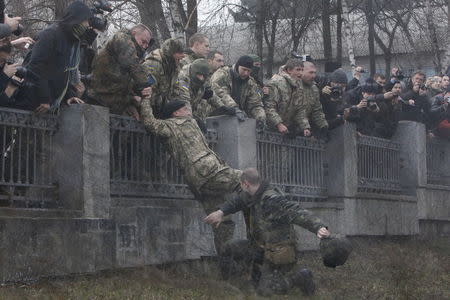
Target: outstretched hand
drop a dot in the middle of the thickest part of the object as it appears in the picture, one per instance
(214, 218)
(323, 232)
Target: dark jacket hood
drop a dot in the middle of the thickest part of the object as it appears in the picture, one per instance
(75, 13)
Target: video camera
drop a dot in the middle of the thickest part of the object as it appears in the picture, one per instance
(23, 73)
(372, 103)
(303, 57)
(336, 92)
(399, 75)
(99, 7)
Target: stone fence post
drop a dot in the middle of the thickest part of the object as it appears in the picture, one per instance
(81, 159)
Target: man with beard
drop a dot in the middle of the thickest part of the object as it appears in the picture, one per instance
(236, 87)
(55, 58)
(164, 66)
(118, 78)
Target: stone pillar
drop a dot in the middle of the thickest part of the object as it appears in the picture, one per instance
(341, 156)
(81, 159)
(237, 146)
(413, 155)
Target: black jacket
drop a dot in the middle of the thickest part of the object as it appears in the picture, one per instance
(419, 112)
(51, 54)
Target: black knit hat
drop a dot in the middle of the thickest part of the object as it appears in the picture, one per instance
(244, 61)
(172, 107)
(339, 76)
(370, 86)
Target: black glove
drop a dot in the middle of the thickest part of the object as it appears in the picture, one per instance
(240, 115)
(324, 134)
(223, 110)
(208, 93)
(260, 125)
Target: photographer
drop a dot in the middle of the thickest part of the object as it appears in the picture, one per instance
(55, 58)
(390, 110)
(331, 98)
(440, 115)
(365, 112)
(416, 91)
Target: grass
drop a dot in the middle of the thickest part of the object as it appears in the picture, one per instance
(377, 269)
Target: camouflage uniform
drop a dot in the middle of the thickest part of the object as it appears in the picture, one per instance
(189, 58)
(312, 107)
(161, 64)
(116, 71)
(271, 246)
(250, 100)
(283, 104)
(190, 91)
(207, 175)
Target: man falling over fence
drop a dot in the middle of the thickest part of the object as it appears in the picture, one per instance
(269, 254)
(208, 176)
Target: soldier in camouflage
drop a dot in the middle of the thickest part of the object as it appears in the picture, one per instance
(164, 65)
(207, 175)
(117, 73)
(283, 103)
(236, 87)
(311, 104)
(270, 250)
(198, 48)
(191, 87)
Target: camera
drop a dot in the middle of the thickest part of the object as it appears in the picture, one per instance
(336, 92)
(303, 57)
(100, 23)
(23, 73)
(371, 103)
(399, 75)
(422, 86)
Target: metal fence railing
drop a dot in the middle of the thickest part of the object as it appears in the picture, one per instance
(295, 165)
(26, 144)
(378, 165)
(139, 163)
(437, 162)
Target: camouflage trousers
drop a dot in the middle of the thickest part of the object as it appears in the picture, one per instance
(244, 260)
(213, 194)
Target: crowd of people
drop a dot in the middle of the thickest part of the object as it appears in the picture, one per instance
(172, 90)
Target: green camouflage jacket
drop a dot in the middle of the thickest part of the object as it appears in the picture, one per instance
(116, 71)
(270, 216)
(251, 103)
(186, 144)
(186, 90)
(165, 71)
(312, 107)
(283, 104)
(189, 58)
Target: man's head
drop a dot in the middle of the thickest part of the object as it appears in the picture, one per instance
(250, 181)
(338, 78)
(76, 19)
(142, 35)
(244, 66)
(397, 88)
(379, 79)
(257, 63)
(434, 82)
(294, 68)
(199, 71)
(445, 83)
(215, 60)
(309, 73)
(418, 77)
(173, 48)
(370, 88)
(175, 109)
(199, 44)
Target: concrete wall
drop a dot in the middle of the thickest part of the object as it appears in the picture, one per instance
(93, 231)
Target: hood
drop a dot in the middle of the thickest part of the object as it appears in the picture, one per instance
(75, 13)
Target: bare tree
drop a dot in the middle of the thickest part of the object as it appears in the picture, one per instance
(326, 31)
(152, 15)
(348, 33)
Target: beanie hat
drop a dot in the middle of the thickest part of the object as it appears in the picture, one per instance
(172, 46)
(200, 66)
(339, 76)
(335, 250)
(171, 107)
(244, 61)
(255, 58)
(370, 86)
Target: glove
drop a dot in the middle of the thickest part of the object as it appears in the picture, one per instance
(223, 110)
(208, 93)
(324, 134)
(240, 115)
(260, 125)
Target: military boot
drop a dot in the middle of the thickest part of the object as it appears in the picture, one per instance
(304, 280)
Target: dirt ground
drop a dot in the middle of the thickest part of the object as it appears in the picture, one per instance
(377, 269)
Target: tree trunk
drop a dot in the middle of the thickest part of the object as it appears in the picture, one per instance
(152, 15)
(259, 27)
(178, 17)
(60, 6)
(192, 21)
(370, 16)
(433, 37)
(339, 32)
(446, 58)
(326, 27)
(348, 34)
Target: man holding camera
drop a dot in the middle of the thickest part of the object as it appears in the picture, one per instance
(118, 78)
(417, 92)
(331, 98)
(55, 58)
